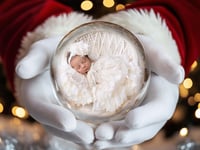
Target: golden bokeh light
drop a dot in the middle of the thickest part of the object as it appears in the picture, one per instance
(199, 105)
(19, 112)
(183, 91)
(183, 132)
(1, 107)
(108, 3)
(86, 5)
(119, 7)
(187, 83)
(193, 66)
(197, 97)
(191, 101)
(197, 113)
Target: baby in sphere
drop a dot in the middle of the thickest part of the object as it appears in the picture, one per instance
(108, 79)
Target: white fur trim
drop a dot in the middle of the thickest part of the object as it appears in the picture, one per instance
(147, 23)
(53, 26)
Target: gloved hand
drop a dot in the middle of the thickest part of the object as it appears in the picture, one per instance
(38, 95)
(144, 122)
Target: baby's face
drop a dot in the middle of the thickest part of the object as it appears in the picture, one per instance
(81, 64)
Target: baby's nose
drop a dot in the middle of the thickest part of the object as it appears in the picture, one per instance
(82, 65)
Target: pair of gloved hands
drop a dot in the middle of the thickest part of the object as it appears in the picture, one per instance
(140, 124)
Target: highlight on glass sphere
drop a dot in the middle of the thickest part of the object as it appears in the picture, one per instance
(99, 72)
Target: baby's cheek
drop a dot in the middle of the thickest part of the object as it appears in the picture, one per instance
(89, 65)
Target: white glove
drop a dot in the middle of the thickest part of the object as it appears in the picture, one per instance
(38, 95)
(144, 122)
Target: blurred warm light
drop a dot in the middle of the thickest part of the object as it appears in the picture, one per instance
(183, 91)
(16, 121)
(199, 105)
(191, 101)
(193, 66)
(187, 83)
(183, 132)
(108, 3)
(1, 107)
(197, 113)
(86, 5)
(119, 7)
(19, 112)
(179, 114)
(197, 97)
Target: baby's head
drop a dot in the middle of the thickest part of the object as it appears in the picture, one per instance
(78, 57)
(80, 63)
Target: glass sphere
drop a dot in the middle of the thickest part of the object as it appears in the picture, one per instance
(116, 80)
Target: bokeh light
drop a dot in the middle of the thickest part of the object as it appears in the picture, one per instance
(191, 101)
(108, 3)
(199, 105)
(183, 132)
(183, 91)
(197, 113)
(19, 112)
(1, 107)
(86, 5)
(119, 7)
(197, 97)
(193, 66)
(187, 83)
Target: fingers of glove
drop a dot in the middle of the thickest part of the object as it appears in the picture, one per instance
(158, 105)
(107, 130)
(38, 58)
(126, 137)
(82, 134)
(160, 62)
(38, 97)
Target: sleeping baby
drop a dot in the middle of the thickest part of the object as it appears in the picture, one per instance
(80, 63)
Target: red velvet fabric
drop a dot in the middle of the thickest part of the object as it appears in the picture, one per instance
(16, 19)
(182, 18)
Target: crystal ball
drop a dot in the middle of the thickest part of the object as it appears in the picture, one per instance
(114, 76)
